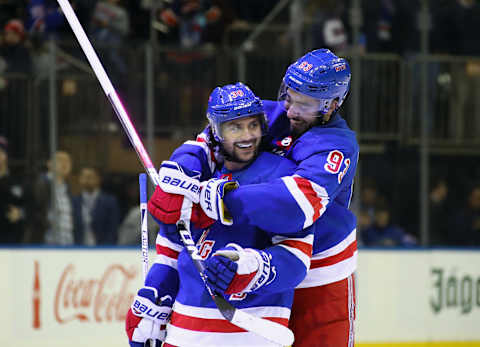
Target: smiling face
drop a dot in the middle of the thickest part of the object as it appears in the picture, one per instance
(241, 140)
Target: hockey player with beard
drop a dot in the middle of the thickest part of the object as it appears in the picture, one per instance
(304, 126)
(256, 270)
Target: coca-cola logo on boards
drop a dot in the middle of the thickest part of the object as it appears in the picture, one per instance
(103, 300)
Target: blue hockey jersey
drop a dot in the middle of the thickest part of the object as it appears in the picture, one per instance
(195, 320)
(318, 191)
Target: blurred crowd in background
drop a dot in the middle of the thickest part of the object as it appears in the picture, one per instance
(90, 206)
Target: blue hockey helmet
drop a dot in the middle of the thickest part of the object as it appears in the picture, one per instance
(233, 101)
(321, 75)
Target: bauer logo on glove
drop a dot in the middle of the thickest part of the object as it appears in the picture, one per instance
(140, 309)
(208, 196)
(233, 270)
(211, 199)
(176, 182)
(176, 179)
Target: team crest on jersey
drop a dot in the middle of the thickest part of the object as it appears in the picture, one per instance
(237, 296)
(205, 246)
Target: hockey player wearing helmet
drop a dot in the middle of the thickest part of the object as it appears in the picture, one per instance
(313, 89)
(255, 269)
(237, 123)
(304, 125)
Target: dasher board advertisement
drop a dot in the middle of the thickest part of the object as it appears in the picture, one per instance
(418, 298)
(78, 297)
(68, 297)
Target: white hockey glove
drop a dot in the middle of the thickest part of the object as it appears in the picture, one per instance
(176, 179)
(211, 199)
(145, 319)
(233, 269)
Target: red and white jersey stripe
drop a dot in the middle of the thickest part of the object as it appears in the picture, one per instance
(202, 143)
(311, 197)
(199, 326)
(300, 247)
(333, 264)
(167, 251)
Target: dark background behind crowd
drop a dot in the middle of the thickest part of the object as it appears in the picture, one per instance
(96, 204)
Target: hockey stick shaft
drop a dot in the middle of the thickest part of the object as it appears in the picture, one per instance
(142, 182)
(269, 330)
(108, 89)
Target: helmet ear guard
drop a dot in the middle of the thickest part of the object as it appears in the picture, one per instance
(319, 74)
(233, 101)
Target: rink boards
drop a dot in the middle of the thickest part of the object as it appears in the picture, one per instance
(78, 297)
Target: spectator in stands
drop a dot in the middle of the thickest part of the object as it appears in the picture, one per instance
(12, 201)
(110, 22)
(455, 32)
(329, 27)
(464, 226)
(96, 213)
(385, 234)
(191, 17)
(44, 18)
(130, 229)
(439, 212)
(391, 26)
(14, 55)
(15, 69)
(214, 31)
(192, 69)
(52, 217)
(110, 27)
(364, 221)
(370, 197)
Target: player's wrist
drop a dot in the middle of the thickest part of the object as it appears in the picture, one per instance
(211, 199)
(264, 272)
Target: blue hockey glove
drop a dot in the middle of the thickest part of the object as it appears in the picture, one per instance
(211, 199)
(145, 319)
(233, 269)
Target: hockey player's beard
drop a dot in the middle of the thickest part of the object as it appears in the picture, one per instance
(235, 157)
(298, 127)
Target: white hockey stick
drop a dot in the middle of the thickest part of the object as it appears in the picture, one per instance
(269, 330)
(142, 181)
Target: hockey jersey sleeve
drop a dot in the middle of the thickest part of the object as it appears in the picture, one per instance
(163, 274)
(197, 156)
(295, 202)
(290, 259)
